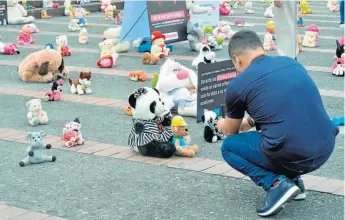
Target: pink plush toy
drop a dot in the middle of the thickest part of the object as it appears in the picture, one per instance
(25, 36)
(54, 94)
(10, 49)
(314, 28)
(108, 61)
(33, 28)
(223, 30)
(224, 8)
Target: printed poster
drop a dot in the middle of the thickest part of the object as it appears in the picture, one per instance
(213, 80)
(3, 13)
(169, 17)
(207, 15)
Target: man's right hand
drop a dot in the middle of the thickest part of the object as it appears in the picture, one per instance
(278, 3)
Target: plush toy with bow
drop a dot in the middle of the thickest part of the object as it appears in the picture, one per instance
(338, 68)
(54, 94)
(10, 49)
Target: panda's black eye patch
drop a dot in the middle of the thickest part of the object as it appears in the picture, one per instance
(160, 99)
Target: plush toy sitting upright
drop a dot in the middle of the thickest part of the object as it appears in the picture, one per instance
(17, 14)
(211, 133)
(181, 138)
(149, 135)
(311, 37)
(269, 11)
(195, 36)
(41, 66)
(24, 36)
(205, 56)
(223, 30)
(54, 94)
(158, 48)
(35, 149)
(35, 114)
(81, 85)
(224, 8)
(114, 35)
(338, 68)
(177, 85)
(71, 133)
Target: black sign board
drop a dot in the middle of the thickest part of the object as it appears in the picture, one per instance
(3, 13)
(213, 79)
(169, 17)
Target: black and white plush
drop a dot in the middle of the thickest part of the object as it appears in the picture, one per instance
(211, 134)
(150, 134)
(205, 56)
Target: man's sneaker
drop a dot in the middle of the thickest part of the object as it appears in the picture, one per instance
(277, 196)
(299, 183)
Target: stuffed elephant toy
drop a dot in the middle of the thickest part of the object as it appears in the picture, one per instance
(195, 36)
(35, 150)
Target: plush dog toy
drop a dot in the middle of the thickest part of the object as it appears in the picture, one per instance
(72, 135)
(40, 66)
(54, 94)
(338, 68)
(35, 114)
(10, 49)
(35, 149)
(181, 138)
(138, 76)
(149, 135)
(205, 56)
(211, 133)
(149, 59)
(81, 85)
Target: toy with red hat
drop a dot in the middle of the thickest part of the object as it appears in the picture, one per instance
(158, 47)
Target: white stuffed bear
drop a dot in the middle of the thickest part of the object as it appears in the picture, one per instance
(223, 30)
(107, 47)
(194, 8)
(17, 14)
(114, 34)
(35, 114)
(150, 134)
(178, 85)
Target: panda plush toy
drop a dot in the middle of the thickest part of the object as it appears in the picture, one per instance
(150, 134)
(211, 134)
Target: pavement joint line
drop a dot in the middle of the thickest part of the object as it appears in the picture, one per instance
(15, 213)
(196, 164)
(89, 24)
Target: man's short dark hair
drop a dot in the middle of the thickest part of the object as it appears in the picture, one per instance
(243, 41)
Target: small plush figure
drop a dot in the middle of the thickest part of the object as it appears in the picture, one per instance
(299, 41)
(304, 7)
(158, 48)
(150, 134)
(49, 46)
(213, 42)
(311, 37)
(333, 6)
(237, 4)
(181, 138)
(127, 110)
(269, 11)
(35, 149)
(68, 7)
(107, 47)
(114, 35)
(338, 68)
(80, 14)
(248, 8)
(223, 30)
(27, 6)
(268, 42)
(224, 8)
(195, 36)
(73, 25)
(49, 4)
(299, 19)
(271, 29)
(138, 76)
(24, 36)
(44, 14)
(9, 49)
(54, 94)
(62, 46)
(105, 4)
(109, 12)
(108, 61)
(72, 135)
(205, 56)
(211, 133)
(83, 38)
(33, 28)
(117, 16)
(149, 59)
(81, 85)
(35, 114)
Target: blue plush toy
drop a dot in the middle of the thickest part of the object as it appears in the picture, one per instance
(145, 46)
(49, 46)
(338, 121)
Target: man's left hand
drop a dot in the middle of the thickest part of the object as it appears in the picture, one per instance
(220, 124)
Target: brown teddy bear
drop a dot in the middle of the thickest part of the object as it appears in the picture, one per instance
(149, 59)
(41, 65)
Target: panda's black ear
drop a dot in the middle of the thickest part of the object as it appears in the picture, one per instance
(132, 101)
(338, 44)
(153, 107)
(203, 118)
(156, 90)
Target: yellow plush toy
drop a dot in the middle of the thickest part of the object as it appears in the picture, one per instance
(304, 7)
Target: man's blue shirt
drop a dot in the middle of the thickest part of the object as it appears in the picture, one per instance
(284, 101)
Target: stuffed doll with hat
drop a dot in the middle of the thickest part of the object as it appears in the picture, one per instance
(35, 150)
(72, 135)
(338, 68)
(158, 48)
(181, 138)
(150, 134)
(211, 133)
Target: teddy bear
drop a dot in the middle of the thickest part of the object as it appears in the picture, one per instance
(83, 38)
(268, 42)
(158, 48)
(81, 85)
(114, 34)
(223, 30)
(150, 134)
(311, 37)
(177, 86)
(147, 58)
(205, 56)
(17, 14)
(35, 114)
(24, 36)
(44, 14)
(54, 94)
(107, 47)
(73, 25)
(40, 66)
(72, 135)
(181, 138)
(35, 149)
(224, 8)
(195, 35)
(10, 49)
(211, 133)
(338, 68)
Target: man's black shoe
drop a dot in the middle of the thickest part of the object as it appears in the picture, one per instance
(277, 196)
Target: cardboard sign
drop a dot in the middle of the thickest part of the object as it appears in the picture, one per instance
(213, 80)
(169, 17)
(206, 17)
(3, 13)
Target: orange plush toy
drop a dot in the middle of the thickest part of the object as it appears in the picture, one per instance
(299, 41)
(127, 110)
(138, 76)
(149, 59)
